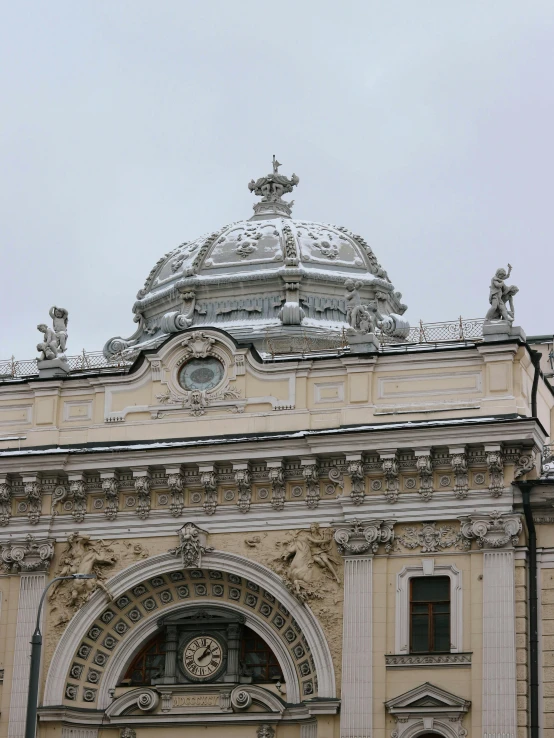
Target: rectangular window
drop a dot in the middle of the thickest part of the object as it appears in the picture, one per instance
(429, 614)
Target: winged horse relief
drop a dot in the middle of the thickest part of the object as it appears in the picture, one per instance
(305, 554)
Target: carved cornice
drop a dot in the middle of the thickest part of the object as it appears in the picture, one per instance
(365, 537)
(428, 659)
(29, 554)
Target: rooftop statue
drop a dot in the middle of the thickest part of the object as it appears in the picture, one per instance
(54, 340)
(501, 294)
(59, 321)
(48, 348)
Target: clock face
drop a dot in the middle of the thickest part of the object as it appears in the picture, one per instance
(202, 657)
(201, 374)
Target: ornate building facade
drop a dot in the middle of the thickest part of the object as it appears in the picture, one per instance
(306, 519)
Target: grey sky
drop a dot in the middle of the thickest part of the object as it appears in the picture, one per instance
(128, 127)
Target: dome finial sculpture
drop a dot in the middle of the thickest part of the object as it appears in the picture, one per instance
(271, 188)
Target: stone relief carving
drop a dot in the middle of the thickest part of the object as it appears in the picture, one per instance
(33, 497)
(243, 481)
(278, 487)
(127, 733)
(197, 344)
(265, 731)
(357, 477)
(392, 481)
(84, 556)
(5, 501)
(525, 464)
(31, 554)
(208, 480)
(501, 295)
(424, 467)
(143, 488)
(491, 531)
(301, 552)
(429, 537)
(461, 476)
(110, 488)
(337, 479)
(311, 475)
(192, 545)
(175, 482)
(495, 465)
(365, 537)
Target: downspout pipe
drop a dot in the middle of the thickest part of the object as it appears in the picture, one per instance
(525, 488)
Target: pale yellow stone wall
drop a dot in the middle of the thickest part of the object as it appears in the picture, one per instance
(547, 618)
(522, 647)
(323, 394)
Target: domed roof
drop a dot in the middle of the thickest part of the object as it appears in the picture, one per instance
(268, 272)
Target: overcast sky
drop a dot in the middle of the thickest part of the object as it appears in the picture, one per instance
(128, 127)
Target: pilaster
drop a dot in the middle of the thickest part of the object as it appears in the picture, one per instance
(30, 590)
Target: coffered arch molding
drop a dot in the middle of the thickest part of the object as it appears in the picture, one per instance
(122, 658)
(167, 563)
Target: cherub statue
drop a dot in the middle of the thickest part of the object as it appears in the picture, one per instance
(499, 295)
(59, 321)
(354, 307)
(49, 347)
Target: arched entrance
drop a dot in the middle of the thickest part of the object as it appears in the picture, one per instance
(102, 640)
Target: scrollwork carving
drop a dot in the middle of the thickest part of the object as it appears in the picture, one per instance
(424, 465)
(208, 480)
(33, 497)
(525, 464)
(461, 477)
(243, 481)
(392, 482)
(144, 504)
(357, 477)
(310, 473)
(495, 465)
(198, 344)
(277, 479)
(175, 484)
(78, 493)
(5, 502)
(110, 488)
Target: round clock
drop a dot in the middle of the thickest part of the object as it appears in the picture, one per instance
(201, 374)
(202, 657)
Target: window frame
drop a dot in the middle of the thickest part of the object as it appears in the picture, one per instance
(428, 567)
(430, 616)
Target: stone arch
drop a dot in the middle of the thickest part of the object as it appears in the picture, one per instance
(82, 663)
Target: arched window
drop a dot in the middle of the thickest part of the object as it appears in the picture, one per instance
(148, 664)
(257, 659)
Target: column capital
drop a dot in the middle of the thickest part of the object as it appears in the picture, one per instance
(493, 530)
(26, 555)
(364, 538)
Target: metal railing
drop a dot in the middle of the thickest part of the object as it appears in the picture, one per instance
(83, 362)
(450, 331)
(425, 333)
